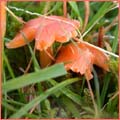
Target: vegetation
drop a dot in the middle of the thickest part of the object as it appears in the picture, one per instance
(30, 91)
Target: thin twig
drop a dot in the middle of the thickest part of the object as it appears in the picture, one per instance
(92, 96)
(114, 96)
(47, 17)
(30, 98)
(87, 13)
(106, 29)
(18, 19)
(33, 108)
(47, 6)
(65, 8)
(114, 22)
(105, 51)
(52, 58)
(29, 64)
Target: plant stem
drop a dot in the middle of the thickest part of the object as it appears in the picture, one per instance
(87, 13)
(92, 96)
(65, 8)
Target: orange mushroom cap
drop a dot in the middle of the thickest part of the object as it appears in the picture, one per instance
(45, 30)
(81, 58)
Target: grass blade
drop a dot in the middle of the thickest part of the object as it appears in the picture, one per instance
(70, 106)
(97, 88)
(70, 94)
(115, 41)
(8, 65)
(105, 87)
(36, 65)
(56, 6)
(42, 75)
(42, 97)
(74, 7)
(102, 11)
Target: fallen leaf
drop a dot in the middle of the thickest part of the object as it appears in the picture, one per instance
(81, 57)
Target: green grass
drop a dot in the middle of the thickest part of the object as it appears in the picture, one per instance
(52, 92)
